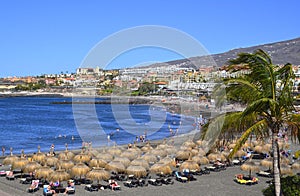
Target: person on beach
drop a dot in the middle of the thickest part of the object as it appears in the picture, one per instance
(108, 138)
(3, 150)
(52, 149)
(50, 190)
(70, 186)
(113, 184)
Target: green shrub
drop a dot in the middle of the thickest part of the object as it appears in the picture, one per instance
(290, 186)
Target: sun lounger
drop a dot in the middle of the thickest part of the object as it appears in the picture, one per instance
(166, 181)
(25, 180)
(46, 191)
(154, 182)
(10, 175)
(180, 178)
(34, 186)
(265, 174)
(236, 162)
(2, 173)
(244, 180)
(70, 189)
(130, 184)
(212, 168)
(91, 187)
(113, 185)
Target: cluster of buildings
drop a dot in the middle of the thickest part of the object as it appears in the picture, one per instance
(170, 79)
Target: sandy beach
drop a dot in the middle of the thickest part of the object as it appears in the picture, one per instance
(216, 183)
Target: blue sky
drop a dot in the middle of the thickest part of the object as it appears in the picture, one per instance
(38, 37)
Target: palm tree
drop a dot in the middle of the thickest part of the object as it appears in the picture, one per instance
(266, 91)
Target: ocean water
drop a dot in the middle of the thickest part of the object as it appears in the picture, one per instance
(26, 122)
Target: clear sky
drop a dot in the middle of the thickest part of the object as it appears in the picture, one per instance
(38, 37)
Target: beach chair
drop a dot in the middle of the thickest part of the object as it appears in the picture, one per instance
(2, 173)
(34, 186)
(167, 181)
(236, 162)
(25, 180)
(213, 168)
(196, 172)
(91, 187)
(70, 189)
(154, 182)
(113, 185)
(265, 174)
(46, 191)
(180, 178)
(130, 184)
(241, 179)
(10, 175)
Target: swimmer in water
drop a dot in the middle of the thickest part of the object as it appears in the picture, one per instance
(73, 137)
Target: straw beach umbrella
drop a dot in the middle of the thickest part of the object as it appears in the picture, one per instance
(159, 152)
(115, 151)
(39, 157)
(283, 145)
(96, 162)
(80, 169)
(258, 149)
(20, 163)
(201, 152)
(82, 157)
(10, 159)
(189, 143)
(31, 167)
(66, 154)
(130, 155)
(124, 160)
(98, 174)
(168, 161)
(43, 172)
(59, 175)
(147, 147)
(183, 154)
(216, 157)
(266, 148)
(296, 166)
(116, 166)
(284, 160)
(105, 156)
(140, 162)
(240, 153)
(150, 158)
(202, 143)
(201, 160)
(171, 150)
(189, 164)
(50, 161)
(135, 149)
(161, 168)
(65, 164)
(286, 170)
(250, 166)
(267, 162)
(136, 170)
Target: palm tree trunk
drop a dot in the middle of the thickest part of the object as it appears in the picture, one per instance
(276, 165)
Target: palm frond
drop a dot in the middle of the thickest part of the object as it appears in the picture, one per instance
(258, 126)
(260, 106)
(294, 126)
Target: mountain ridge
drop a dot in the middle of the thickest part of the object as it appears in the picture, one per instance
(281, 52)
